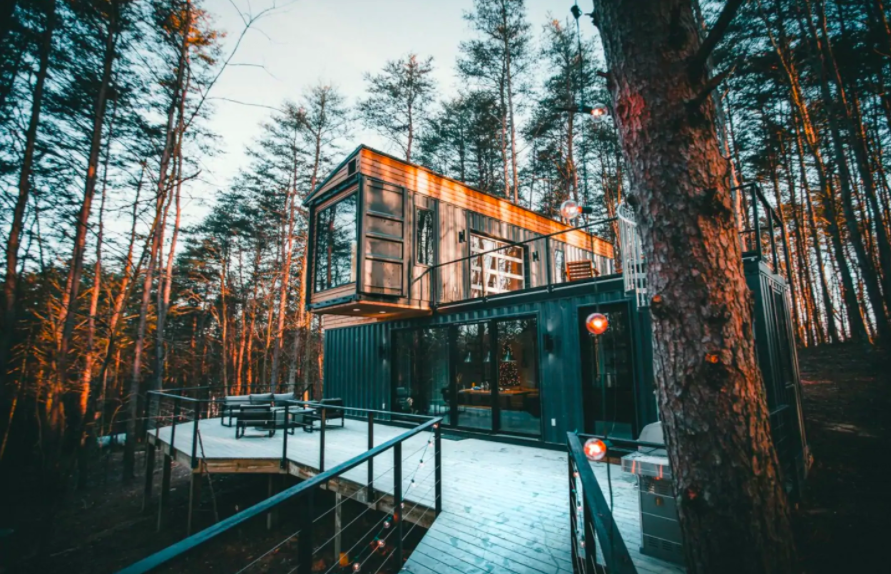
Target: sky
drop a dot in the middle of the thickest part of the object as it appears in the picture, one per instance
(333, 41)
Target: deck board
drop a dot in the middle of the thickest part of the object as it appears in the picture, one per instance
(505, 507)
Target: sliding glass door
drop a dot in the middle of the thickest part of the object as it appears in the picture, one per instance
(421, 373)
(519, 402)
(608, 374)
(472, 376)
(478, 376)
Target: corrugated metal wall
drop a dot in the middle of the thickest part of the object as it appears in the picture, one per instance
(357, 359)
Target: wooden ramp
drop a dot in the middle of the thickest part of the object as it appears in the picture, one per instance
(505, 507)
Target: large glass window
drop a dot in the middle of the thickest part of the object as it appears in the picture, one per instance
(498, 272)
(481, 376)
(335, 254)
(518, 389)
(608, 375)
(473, 376)
(424, 236)
(421, 374)
(559, 266)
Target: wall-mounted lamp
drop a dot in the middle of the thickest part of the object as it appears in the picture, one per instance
(535, 255)
(461, 238)
(550, 343)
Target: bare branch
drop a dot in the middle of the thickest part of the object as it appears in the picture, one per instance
(697, 64)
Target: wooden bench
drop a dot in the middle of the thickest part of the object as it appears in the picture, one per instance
(578, 270)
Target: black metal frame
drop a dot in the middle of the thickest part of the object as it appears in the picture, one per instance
(451, 328)
(303, 492)
(590, 514)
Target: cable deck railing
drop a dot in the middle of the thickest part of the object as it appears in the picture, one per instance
(362, 529)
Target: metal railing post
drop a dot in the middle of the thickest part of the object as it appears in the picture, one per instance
(322, 442)
(195, 434)
(437, 467)
(370, 492)
(549, 270)
(397, 501)
(173, 426)
(756, 223)
(573, 521)
(157, 415)
(284, 463)
(773, 240)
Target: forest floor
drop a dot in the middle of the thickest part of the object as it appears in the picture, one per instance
(840, 523)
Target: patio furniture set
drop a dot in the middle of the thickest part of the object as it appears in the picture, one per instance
(268, 412)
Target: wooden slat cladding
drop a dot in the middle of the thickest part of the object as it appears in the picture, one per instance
(334, 321)
(428, 183)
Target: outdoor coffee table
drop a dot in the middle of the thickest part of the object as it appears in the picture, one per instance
(297, 417)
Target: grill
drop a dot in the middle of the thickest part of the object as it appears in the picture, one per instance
(659, 528)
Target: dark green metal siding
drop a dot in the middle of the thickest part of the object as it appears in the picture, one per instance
(357, 359)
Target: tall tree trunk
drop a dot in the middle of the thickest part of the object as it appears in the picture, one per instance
(509, 77)
(7, 327)
(70, 297)
(867, 268)
(153, 240)
(731, 503)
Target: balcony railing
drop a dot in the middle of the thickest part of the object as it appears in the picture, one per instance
(762, 233)
(596, 540)
(500, 271)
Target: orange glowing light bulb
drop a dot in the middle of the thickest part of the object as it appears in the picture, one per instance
(595, 449)
(596, 323)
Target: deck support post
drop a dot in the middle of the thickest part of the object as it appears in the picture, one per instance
(272, 488)
(338, 525)
(149, 474)
(194, 500)
(165, 487)
(305, 542)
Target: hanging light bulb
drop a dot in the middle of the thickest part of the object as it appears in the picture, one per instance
(596, 323)
(599, 112)
(570, 210)
(357, 567)
(595, 449)
(381, 543)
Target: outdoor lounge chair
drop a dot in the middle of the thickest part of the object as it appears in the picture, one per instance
(231, 404)
(330, 413)
(257, 416)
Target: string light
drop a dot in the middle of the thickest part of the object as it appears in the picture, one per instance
(357, 567)
(596, 323)
(570, 210)
(595, 449)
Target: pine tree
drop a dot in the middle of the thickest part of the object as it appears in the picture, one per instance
(398, 101)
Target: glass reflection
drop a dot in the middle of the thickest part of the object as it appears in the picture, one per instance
(421, 382)
(519, 401)
(335, 254)
(473, 389)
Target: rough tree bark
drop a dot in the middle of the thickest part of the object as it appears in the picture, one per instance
(731, 503)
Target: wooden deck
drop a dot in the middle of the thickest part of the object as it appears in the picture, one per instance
(505, 507)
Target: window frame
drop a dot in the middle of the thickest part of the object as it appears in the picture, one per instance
(318, 233)
(432, 243)
(483, 290)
